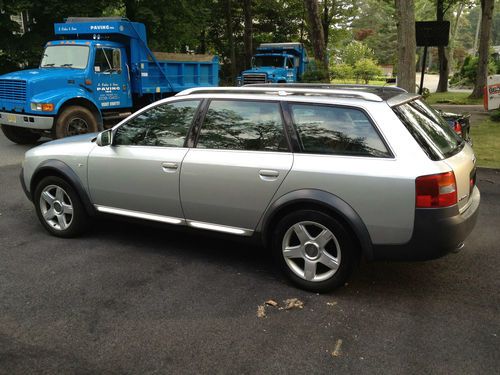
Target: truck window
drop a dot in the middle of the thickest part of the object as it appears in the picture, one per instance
(107, 60)
(274, 61)
(65, 56)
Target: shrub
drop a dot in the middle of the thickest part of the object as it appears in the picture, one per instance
(366, 69)
(342, 71)
(316, 73)
(495, 115)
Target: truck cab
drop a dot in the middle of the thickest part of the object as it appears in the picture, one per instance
(99, 72)
(276, 63)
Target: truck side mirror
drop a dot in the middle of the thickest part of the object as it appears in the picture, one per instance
(105, 138)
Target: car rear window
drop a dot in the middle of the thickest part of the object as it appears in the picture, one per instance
(436, 138)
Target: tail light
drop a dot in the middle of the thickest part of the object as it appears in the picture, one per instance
(457, 127)
(437, 190)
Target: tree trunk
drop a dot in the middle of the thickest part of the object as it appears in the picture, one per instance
(316, 30)
(325, 22)
(444, 71)
(484, 40)
(453, 36)
(405, 17)
(247, 9)
(230, 40)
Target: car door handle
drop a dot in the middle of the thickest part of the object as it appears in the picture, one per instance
(169, 167)
(268, 174)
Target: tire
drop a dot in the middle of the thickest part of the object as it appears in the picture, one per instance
(75, 120)
(315, 240)
(22, 136)
(59, 208)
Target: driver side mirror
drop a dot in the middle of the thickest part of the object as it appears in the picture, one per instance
(105, 138)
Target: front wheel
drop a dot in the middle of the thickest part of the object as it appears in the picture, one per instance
(59, 208)
(75, 120)
(22, 136)
(314, 250)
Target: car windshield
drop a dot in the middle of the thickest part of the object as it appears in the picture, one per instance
(64, 56)
(274, 61)
(429, 129)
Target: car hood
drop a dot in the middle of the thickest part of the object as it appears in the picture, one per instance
(41, 74)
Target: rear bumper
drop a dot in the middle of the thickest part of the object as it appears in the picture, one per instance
(436, 233)
(25, 120)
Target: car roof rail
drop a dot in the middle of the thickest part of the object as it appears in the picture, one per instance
(385, 92)
(283, 91)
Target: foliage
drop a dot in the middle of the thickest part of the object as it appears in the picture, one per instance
(342, 72)
(495, 115)
(466, 76)
(355, 51)
(316, 73)
(366, 69)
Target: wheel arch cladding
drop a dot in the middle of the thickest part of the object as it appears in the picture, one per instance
(60, 169)
(322, 201)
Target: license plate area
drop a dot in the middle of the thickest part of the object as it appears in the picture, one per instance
(11, 118)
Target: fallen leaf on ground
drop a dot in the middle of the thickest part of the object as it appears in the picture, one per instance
(261, 311)
(333, 303)
(272, 303)
(336, 352)
(293, 303)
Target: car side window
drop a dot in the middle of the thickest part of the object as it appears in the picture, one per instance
(165, 125)
(243, 125)
(336, 130)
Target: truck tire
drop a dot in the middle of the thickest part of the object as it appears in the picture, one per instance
(20, 135)
(75, 120)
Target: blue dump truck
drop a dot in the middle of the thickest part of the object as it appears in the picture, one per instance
(99, 71)
(276, 63)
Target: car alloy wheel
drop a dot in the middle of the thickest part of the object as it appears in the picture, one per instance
(56, 207)
(311, 251)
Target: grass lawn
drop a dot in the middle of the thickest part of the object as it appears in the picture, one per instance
(452, 98)
(486, 138)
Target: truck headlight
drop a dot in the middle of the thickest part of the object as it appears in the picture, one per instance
(42, 107)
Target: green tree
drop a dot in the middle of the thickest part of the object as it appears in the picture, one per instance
(356, 51)
(366, 69)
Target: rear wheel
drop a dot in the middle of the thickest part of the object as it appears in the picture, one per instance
(314, 250)
(75, 120)
(20, 135)
(59, 208)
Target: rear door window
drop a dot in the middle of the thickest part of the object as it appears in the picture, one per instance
(243, 125)
(430, 130)
(326, 129)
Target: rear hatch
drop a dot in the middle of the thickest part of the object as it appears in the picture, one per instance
(440, 142)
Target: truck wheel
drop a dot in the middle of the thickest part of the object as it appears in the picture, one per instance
(75, 120)
(19, 135)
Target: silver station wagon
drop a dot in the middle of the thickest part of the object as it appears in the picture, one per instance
(322, 175)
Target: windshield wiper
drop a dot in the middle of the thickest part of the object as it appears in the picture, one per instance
(48, 65)
(66, 65)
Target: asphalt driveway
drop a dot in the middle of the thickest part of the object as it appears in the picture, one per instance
(128, 298)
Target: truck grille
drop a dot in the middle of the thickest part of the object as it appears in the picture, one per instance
(13, 89)
(254, 78)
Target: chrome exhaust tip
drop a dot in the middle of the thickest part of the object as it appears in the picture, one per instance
(459, 247)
